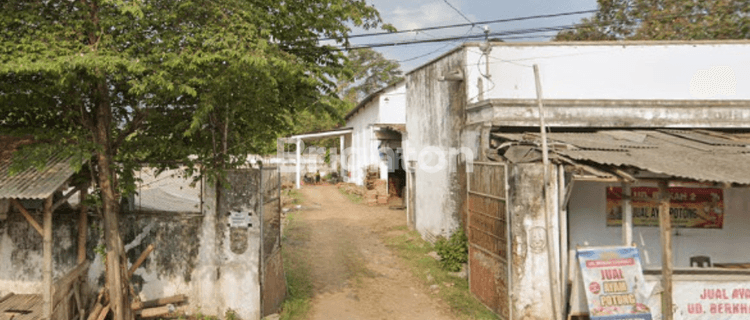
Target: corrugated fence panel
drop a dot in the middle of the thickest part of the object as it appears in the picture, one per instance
(488, 236)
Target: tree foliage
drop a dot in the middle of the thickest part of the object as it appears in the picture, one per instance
(121, 82)
(664, 20)
(367, 71)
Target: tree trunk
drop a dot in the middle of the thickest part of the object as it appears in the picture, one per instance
(117, 280)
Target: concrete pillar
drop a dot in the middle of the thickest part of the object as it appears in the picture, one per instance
(299, 160)
(341, 157)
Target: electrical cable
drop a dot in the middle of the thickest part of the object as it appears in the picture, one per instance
(541, 16)
(459, 11)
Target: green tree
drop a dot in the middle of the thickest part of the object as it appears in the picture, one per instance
(664, 20)
(123, 81)
(370, 72)
(367, 71)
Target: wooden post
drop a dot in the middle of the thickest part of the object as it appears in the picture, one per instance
(83, 223)
(665, 228)
(47, 275)
(627, 215)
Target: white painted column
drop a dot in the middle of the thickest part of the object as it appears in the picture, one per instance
(341, 157)
(627, 215)
(299, 160)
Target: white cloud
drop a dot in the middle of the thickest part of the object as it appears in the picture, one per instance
(420, 14)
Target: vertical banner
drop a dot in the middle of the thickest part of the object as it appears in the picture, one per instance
(688, 207)
(613, 280)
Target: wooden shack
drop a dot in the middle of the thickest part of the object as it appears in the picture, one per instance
(61, 298)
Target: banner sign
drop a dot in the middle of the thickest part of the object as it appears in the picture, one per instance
(613, 281)
(689, 207)
(699, 300)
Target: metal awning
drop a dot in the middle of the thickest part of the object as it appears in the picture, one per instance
(696, 155)
(317, 135)
(31, 183)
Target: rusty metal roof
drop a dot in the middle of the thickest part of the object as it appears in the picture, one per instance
(699, 155)
(31, 183)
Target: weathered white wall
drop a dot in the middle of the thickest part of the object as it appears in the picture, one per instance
(21, 252)
(530, 282)
(363, 150)
(680, 70)
(433, 124)
(587, 225)
(388, 107)
(393, 104)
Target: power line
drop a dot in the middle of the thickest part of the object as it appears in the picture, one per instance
(464, 37)
(543, 16)
(459, 11)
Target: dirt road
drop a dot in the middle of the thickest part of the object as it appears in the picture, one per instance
(355, 276)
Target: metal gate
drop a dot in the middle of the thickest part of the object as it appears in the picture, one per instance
(488, 232)
(272, 281)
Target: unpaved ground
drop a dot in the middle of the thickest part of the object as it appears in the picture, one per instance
(355, 276)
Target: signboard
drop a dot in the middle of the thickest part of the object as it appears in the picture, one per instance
(699, 300)
(240, 219)
(689, 207)
(613, 282)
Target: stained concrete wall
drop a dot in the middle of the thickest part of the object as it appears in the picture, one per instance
(434, 119)
(530, 284)
(21, 251)
(196, 254)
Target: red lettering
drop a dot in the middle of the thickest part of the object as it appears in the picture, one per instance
(743, 308)
(695, 308)
(713, 308)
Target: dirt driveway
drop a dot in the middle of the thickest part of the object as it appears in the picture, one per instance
(355, 276)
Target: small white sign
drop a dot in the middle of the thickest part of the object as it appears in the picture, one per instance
(240, 219)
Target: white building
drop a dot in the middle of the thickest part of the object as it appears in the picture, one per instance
(458, 104)
(377, 124)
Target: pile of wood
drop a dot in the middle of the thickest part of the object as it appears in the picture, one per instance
(351, 188)
(144, 309)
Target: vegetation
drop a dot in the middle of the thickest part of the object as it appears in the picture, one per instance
(298, 281)
(453, 252)
(121, 82)
(664, 20)
(454, 290)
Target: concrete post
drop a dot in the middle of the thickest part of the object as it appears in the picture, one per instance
(341, 157)
(299, 160)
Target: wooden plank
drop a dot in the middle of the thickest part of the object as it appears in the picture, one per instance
(28, 216)
(103, 314)
(157, 311)
(65, 198)
(47, 264)
(140, 260)
(158, 302)
(6, 297)
(665, 228)
(62, 287)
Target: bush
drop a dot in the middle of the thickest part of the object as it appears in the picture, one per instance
(453, 252)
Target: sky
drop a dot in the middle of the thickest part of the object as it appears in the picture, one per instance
(414, 14)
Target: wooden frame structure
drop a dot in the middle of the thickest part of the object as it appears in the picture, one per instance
(57, 295)
(61, 299)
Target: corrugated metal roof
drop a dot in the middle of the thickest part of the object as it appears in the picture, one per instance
(698, 155)
(34, 184)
